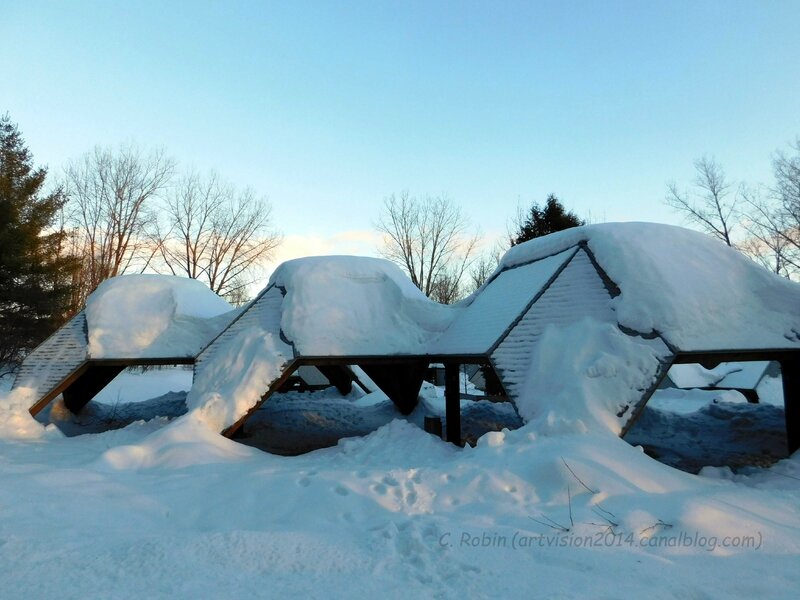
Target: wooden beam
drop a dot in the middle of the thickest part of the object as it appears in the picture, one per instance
(790, 374)
(397, 359)
(718, 356)
(51, 395)
(274, 387)
(452, 399)
(143, 362)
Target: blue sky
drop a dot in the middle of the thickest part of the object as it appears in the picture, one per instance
(328, 107)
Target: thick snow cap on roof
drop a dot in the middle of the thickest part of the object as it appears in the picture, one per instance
(153, 316)
(354, 305)
(694, 290)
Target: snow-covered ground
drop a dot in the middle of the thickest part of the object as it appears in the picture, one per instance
(331, 497)
(170, 510)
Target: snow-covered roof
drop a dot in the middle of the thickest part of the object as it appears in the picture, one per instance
(479, 325)
(697, 292)
(153, 316)
(354, 305)
(578, 322)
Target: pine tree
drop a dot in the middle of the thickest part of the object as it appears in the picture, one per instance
(544, 220)
(34, 276)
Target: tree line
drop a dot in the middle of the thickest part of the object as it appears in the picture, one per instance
(115, 211)
(429, 238)
(126, 210)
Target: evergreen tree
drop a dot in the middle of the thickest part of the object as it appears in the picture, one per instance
(544, 220)
(34, 288)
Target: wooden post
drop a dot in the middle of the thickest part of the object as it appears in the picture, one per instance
(452, 399)
(433, 425)
(790, 374)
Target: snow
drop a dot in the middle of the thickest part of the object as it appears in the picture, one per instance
(135, 383)
(746, 375)
(743, 375)
(350, 306)
(153, 316)
(586, 376)
(692, 375)
(157, 503)
(490, 313)
(177, 511)
(171, 509)
(697, 292)
(244, 368)
(691, 429)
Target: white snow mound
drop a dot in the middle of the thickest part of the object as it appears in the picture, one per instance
(353, 305)
(152, 316)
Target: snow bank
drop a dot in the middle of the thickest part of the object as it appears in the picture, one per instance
(352, 305)
(242, 370)
(182, 443)
(178, 511)
(587, 376)
(696, 291)
(15, 420)
(153, 316)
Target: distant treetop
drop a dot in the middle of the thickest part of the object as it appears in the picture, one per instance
(544, 220)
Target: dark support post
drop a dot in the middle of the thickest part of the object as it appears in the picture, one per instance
(452, 399)
(88, 385)
(790, 374)
(341, 377)
(400, 381)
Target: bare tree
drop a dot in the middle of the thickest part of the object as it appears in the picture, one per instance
(110, 194)
(216, 233)
(773, 222)
(487, 264)
(786, 195)
(765, 242)
(428, 238)
(712, 207)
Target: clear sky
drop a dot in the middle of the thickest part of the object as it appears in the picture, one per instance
(328, 107)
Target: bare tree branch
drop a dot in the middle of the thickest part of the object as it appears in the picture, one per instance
(216, 233)
(428, 239)
(110, 195)
(711, 208)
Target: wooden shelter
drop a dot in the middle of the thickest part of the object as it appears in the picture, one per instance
(500, 327)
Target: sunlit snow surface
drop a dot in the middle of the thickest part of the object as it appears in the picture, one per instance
(168, 508)
(149, 316)
(164, 510)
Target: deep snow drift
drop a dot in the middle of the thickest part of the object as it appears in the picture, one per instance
(176, 511)
(559, 507)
